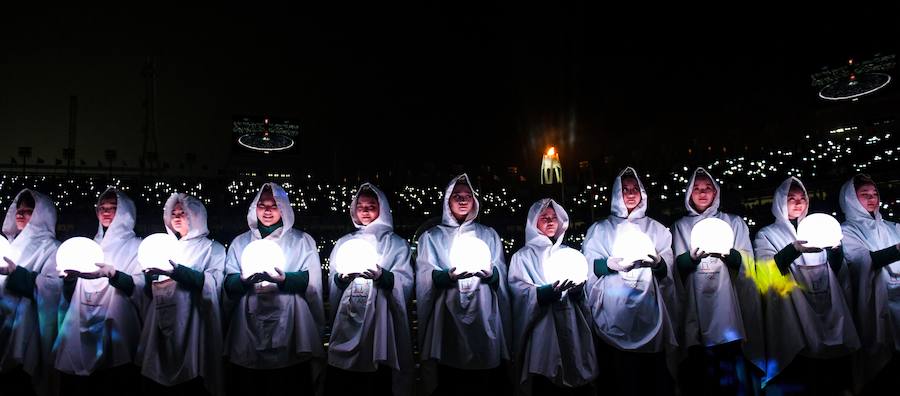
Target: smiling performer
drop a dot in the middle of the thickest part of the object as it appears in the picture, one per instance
(464, 317)
(722, 315)
(276, 321)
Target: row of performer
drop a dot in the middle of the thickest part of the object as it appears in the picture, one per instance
(771, 313)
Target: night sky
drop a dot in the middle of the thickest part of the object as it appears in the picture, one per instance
(493, 85)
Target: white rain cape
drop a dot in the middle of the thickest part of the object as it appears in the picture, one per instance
(632, 311)
(812, 318)
(182, 334)
(101, 327)
(555, 340)
(720, 305)
(876, 292)
(29, 324)
(370, 325)
(269, 329)
(462, 329)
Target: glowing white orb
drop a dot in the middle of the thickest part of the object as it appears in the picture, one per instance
(632, 245)
(470, 254)
(156, 250)
(566, 263)
(355, 257)
(262, 255)
(80, 254)
(820, 230)
(712, 235)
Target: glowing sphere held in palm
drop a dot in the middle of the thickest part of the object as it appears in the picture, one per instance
(566, 263)
(632, 245)
(262, 255)
(820, 230)
(712, 235)
(80, 254)
(355, 257)
(470, 254)
(156, 250)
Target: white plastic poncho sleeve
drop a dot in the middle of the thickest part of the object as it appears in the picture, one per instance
(182, 333)
(812, 318)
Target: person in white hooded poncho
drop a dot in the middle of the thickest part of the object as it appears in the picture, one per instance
(809, 326)
(100, 323)
(464, 318)
(633, 304)
(370, 338)
(554, 347)
(181, 342)
(275, 323)
(29, 295)
(872, 249)
(722, 312)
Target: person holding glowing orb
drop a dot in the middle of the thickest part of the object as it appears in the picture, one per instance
(872, 249)
(722, 313)
(275, 318)
(464, 314)
(632, 303)
(809, 333)
(181, 342)
(370, 338)
(554, 348)
(29, 292)
(100, 324)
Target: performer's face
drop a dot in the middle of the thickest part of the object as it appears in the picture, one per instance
(547, 222)
(267, 210)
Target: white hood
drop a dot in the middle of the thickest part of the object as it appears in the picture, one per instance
(533, 236)
(284, 204)
(714, 206)
(196, 214)
(618, 202)
(447, 218)
(385, 221)
(779, 202)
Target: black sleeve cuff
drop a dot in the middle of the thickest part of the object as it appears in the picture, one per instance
(836, 258)
(685, 264)
(148, 284)
(546, 295)
(123, 282)
(661, 269)
(234, 288)
(295, 282)
(386, 281)
(577, 295)
(734, 260)
(441, 279)
(69, 287)
(188, 278)
(600, 268)
(339, 282)
(785, 257)
(883, 257)
(22, 282)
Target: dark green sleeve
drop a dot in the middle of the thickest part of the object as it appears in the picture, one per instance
(123, 282)
(494, 280)
(546, 295)
(734, 260)
(441, 279)
(22, 282)
(685, 264)
(386, 281)
(341, 284)
(295, 282)
(785, 257)
(69, 287)
(234, 288)
(836, 258)
(189, 278)
(148, 284)
(600, 268)
(883, 257)
(661, 269)
(577, 294)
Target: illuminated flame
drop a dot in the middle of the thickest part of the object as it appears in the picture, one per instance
(551, 151)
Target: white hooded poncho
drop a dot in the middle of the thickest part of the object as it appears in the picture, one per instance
(273, 329)
(182, 334)
(720, 305)
(634, 315)
(875, 292)
(465, 330)
(812, 318)
(101, 326)
(28, 324)
(370, 325)
(552, 340)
